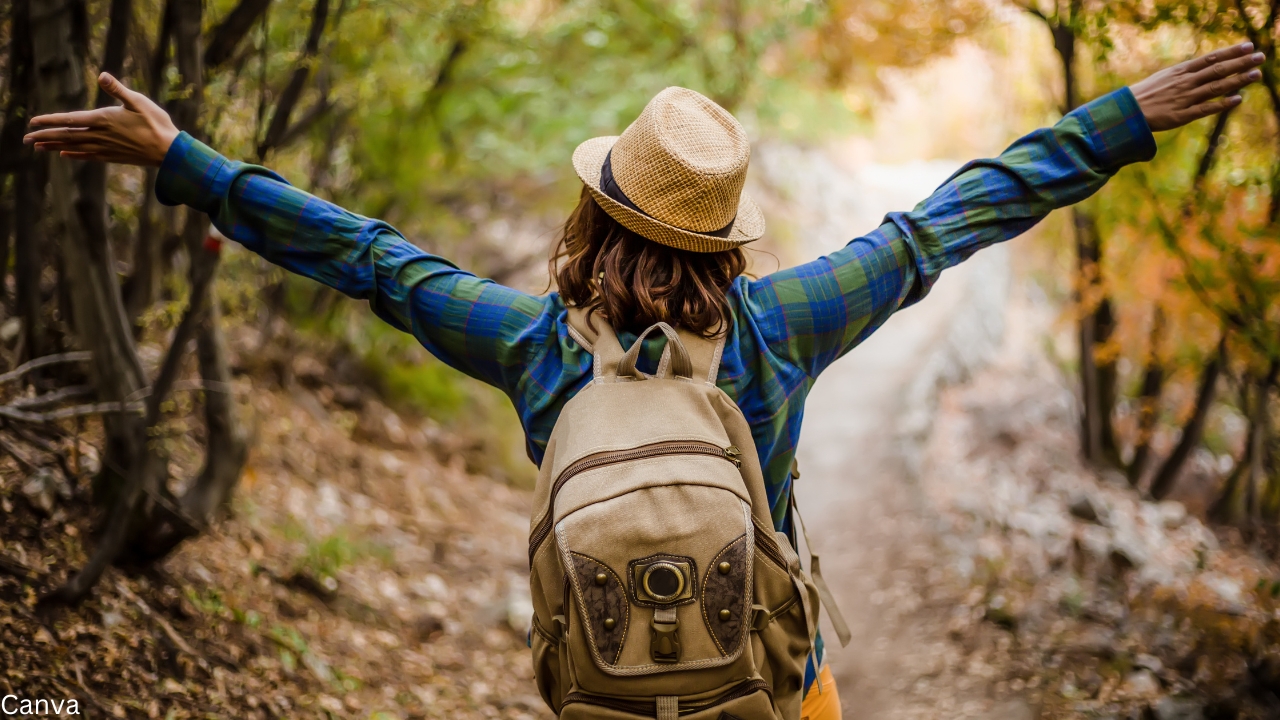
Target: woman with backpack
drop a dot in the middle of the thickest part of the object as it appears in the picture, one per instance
(660, 390)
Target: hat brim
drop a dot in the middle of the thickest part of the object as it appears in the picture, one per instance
(588, 159)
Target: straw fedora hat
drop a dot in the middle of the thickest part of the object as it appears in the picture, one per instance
(675, 175)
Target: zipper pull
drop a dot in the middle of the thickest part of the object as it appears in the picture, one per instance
(734, 454)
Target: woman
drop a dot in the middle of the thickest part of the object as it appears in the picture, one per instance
(657, 236)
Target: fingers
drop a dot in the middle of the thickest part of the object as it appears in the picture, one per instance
(117, 90)
(1213, 107)
(1226, 86)
(82, 119)
(1227, 68)
(1206, 62)
(59, 134)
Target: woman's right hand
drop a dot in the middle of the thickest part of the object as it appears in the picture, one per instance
(137, 133)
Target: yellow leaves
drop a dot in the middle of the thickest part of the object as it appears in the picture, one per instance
(861, 37)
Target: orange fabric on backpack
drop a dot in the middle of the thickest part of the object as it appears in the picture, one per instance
(822, 702)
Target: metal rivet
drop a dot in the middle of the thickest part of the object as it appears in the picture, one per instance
(601, 578)
(726, 614)
(609, 623)
(724, 568)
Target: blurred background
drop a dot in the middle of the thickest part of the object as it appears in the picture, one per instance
(1051, 489)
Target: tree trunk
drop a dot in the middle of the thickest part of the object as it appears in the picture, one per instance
(1148, 401)
(6, 230)
(29, 184)
(1260, 430)
(29, 180)
(140, 288)
(1231, 507)
(226, 444)
(60, 46)
(1097, 379)
(1104, 324)
(148, 265)
(1240, 502)
(1258, 457)
(1193, 430)
(226, 447)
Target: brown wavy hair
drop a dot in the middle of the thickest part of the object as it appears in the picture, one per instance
(600, 265)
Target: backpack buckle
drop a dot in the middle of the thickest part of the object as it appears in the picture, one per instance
(664, 641)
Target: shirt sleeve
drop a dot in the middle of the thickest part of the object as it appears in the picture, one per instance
(484, 329)
(813, 313)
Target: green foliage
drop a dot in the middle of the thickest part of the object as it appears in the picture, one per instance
(408, 376)
(323, 557)
(208, 601)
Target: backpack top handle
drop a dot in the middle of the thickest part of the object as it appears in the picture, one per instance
(680, 365)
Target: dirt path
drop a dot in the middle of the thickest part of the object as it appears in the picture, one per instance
(864, 513)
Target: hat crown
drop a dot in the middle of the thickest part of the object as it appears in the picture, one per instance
(683, 161)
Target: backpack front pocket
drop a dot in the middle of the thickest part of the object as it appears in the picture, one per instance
(660, 581)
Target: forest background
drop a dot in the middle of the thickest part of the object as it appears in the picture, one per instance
(453, 121)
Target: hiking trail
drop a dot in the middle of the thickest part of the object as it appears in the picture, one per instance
(862, 422)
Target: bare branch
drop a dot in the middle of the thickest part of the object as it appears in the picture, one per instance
(27, 434)
(168, 629)
(26, 367)
(313, 115)
(24, 461)
(444, 76)
(1210, 153)
(227, 36)
(103, 408)
(52, 398)
(297, 82)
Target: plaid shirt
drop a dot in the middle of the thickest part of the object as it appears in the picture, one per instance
(788, 326)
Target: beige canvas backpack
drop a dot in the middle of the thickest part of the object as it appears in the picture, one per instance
(660, 588)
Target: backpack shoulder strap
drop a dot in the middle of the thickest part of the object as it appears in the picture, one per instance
(597, 337)
(704, 353)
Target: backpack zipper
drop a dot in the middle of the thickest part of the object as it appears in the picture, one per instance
(768, 545)
(646, 707)
(591, 462)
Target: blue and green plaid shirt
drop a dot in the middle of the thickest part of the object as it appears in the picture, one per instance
(788, 326)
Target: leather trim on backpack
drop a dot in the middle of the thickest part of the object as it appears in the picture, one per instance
(603, 602)
(726, 591)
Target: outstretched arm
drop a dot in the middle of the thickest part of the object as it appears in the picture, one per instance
(482, 328)
(814, 313)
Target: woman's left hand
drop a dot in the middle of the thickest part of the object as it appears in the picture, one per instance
(137, 133)
(1197, 88)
